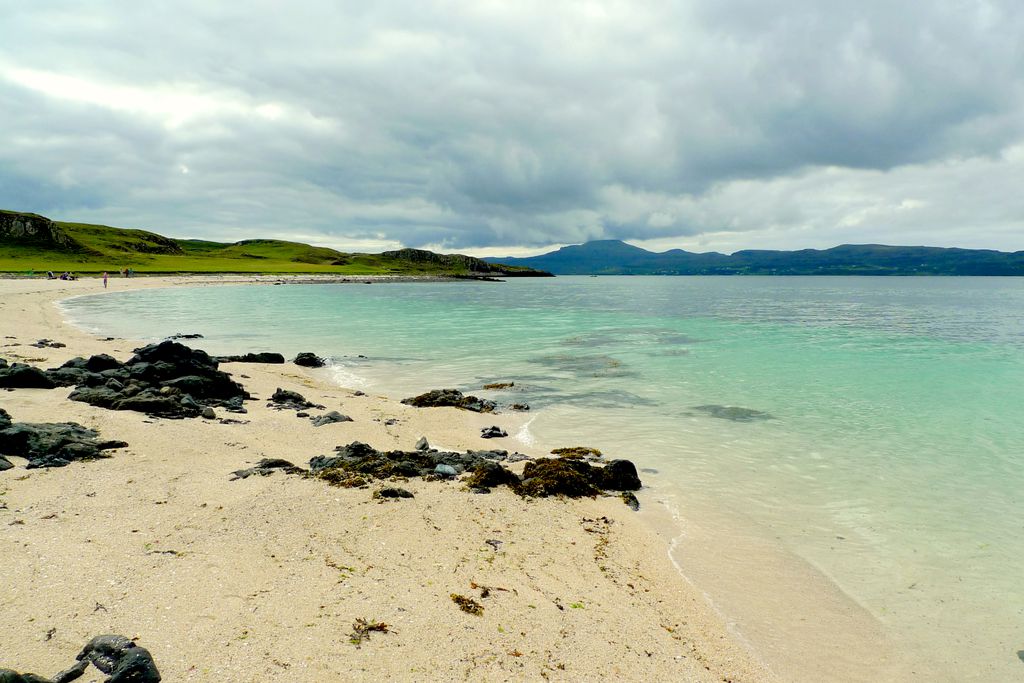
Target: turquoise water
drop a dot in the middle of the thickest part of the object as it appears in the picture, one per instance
(887, 448)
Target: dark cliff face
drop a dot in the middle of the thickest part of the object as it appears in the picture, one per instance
(30, 228)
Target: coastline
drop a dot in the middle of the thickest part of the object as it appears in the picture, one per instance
(269, 573)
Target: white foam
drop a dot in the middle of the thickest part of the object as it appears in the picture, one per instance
(524, 435)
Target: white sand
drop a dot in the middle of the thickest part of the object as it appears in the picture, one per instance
(261, 579)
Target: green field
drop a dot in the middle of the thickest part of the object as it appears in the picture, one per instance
(93, 249)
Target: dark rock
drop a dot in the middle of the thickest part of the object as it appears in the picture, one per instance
(423, 444)
(309, 360)
(101, 362)
(520, 407)
(21, 376)
(154, 403)
(48, 344)
(3, 363)
(283, 399)
(358, 393)
(630, 499)
(53, 444)
(10, 676)
(262, 357)
(5, 419)
(498, 386)
(619, 475)
(392, 492)
(266, 467)
(301, 414)
(113, 385)
(557, 477)
(438, 398)
(121, 659)
(182, 335)
(330, 418)
(209, 414)
(5, 464)
(493, 432)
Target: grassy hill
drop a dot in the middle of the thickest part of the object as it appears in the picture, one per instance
(29, 242)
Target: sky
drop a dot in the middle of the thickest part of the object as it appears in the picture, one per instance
(509, 128)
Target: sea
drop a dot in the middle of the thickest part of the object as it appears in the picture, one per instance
(861, 433)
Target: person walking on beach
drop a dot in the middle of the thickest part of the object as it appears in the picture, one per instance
(104, 279)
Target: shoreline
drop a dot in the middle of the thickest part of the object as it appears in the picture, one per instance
(676, 630)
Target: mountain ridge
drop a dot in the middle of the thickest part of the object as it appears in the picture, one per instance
(615, 257)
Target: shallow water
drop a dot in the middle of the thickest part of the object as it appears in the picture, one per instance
(872, 426)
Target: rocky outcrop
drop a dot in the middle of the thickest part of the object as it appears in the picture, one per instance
(459, 262)
(262, 357)
(307, 359)
(441, 398)
(50, 444)
(33, 229)
(166, 379)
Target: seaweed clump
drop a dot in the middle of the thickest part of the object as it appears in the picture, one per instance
(576, 452)
(561, 477)
(362, 628)
(576, 478)
(468, 605)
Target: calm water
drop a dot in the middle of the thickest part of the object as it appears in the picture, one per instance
(887, 446)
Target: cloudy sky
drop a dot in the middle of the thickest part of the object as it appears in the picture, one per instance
(497, 128)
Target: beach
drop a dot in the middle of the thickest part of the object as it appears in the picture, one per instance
(264, 578)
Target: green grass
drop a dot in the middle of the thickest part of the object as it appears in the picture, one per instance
(98, 248)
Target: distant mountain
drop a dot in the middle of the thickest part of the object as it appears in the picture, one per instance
(614, 257)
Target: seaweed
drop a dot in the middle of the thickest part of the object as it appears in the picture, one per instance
(362, 628)
(561, 477)
(468, 605)
(576, 452)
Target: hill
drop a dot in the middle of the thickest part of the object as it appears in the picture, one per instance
(30, 242)
(613, 257)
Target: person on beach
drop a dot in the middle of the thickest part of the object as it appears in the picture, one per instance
(104, 279)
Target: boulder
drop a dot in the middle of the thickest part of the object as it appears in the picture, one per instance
(53, 444)
(493, 432)
(422, 444)
(309, 360)
(5, 464)
(121, 659)
(619, 475)
(329, 418)
(21, 376)
(439, 398)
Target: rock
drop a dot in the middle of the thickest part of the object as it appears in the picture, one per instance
(21, 376)
(630, 499)
(48, 344)
(519, 406)
(53, 444)
(446, 471)
(487, 474)
(5, 464)
(498, 386)
(492, 432)
(5, 419)
(284, 399)
(101, 362)
(329, 418)
(209, 414)
(423, 444)
(309, 360)
(181, 335)
(121, 659)
(557, 477)
(301, 414)
(266, 467)
(438, 398)
(358, 393)
(619, 475)
(392, 492)
(262, 357)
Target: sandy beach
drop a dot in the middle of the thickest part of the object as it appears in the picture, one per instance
(263, 578)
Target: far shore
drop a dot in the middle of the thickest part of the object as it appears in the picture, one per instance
(263, 578)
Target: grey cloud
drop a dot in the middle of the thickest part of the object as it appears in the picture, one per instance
(521, 124)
